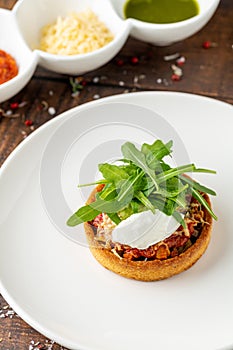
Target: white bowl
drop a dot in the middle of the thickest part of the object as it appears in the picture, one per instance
(31, 16)
(11, 42)
(167, 34)
(20, 35)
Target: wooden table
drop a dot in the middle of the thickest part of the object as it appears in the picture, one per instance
(207, 72)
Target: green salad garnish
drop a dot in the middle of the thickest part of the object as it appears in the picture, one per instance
(143, 181)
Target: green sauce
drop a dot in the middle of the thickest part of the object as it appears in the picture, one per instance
(161, 11)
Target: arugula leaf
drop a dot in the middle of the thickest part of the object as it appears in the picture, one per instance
(148, 191)
(126, 212)
(175, 172)
(158, 149)
(114, 217)
(112, 173)
(162, 167)
(172, 193)
(129, 168)
(166, 205)
(108, 192)
(123, 198)
(201, 170)
(99, 182)
(141, 182)
(130, 152)
(135, 206)
(202, 200)
(119, 202)
(179, 218)
(84, 214)
(154, 153)
(180, 201)
(196, 185)
(145, 201)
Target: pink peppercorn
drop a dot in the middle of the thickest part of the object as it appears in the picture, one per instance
(175, 77)
(181, 61)
(206, 44)
(120, 63)
(14, 105)
(83, 82)
(28, 122)
(134, 60)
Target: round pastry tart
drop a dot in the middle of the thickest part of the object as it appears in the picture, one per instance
(146, 220)
(175, 254)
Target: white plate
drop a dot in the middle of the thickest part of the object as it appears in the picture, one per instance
(56, 285)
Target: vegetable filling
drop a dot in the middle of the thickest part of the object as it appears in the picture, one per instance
(170, 247)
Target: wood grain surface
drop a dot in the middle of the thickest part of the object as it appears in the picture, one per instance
(207, 72)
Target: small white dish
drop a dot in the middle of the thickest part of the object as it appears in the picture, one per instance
(169, 33)
(58, 287)
(11, 42)
(31, 16)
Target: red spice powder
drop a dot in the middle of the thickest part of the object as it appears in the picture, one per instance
(8, 67)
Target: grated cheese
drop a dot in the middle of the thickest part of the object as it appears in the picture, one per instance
(77, 33)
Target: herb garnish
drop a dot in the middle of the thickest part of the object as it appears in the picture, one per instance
(142, 182)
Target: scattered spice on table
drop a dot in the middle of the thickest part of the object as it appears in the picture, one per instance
(7, 312)
(177, 71)
(77, 85)
(137, 79)
(181, 61)
(44, 105)
(48, 345)
(8, 113)
(134, 60)
(208, 44)
(163, 81)
(175, 77)
(96, 80)
(28, 122)
(39, 346)
(51, 110)
(14, 105)
(13, 110)
(171, 57)
(23, 133)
